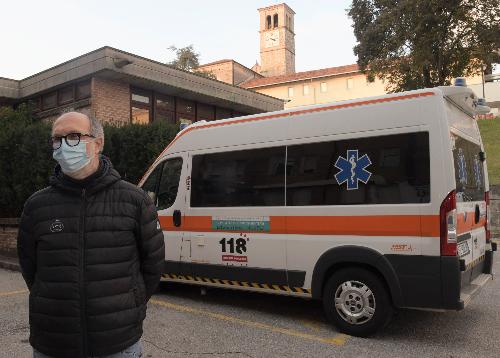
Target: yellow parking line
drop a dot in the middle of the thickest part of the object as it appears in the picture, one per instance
(338, 340)
(311, 324)
(11, 293)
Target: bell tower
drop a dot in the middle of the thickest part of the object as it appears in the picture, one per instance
(277, 40)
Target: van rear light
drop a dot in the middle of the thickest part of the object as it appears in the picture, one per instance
(448, 225)
(488, 215)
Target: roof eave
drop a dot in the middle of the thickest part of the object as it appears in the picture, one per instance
(302, 79)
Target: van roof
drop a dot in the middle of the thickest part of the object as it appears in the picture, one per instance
(462, 97)
(352, 103)
(455, 94)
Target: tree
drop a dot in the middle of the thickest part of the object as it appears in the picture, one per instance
(425, 43)
(187, 59)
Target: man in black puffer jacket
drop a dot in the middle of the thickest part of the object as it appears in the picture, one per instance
(90, 249)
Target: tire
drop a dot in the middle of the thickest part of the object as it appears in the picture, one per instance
(363, 303)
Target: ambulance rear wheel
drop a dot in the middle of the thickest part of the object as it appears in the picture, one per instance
(356, 301)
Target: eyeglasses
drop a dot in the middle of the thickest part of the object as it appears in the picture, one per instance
(72, 139)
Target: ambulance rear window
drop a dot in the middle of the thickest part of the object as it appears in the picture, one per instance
(469, 171)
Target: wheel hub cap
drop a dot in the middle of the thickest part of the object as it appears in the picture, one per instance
(355, 302)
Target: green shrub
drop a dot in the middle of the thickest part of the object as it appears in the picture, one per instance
(26, 157)
(133, 148)
(490, 133)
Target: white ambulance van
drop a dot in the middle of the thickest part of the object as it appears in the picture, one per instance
(368, 205)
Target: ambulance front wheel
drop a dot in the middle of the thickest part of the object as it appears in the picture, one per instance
(356, 301)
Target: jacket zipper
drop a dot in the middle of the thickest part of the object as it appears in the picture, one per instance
(82, 276)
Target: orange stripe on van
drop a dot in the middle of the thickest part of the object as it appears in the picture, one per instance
(467, 224)
(288, 114)
(430, 225)
(386, 225)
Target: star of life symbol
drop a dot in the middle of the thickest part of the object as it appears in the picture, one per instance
(353, 169)
(462, 167)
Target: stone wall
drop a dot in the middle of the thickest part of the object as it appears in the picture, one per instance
(495, 211)
(8, 237)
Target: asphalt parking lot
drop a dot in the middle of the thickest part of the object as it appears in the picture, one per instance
(223, 323)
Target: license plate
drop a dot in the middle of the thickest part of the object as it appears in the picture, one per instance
(463, 249)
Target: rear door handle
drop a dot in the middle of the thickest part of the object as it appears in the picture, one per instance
(177, 217)
(477, 214)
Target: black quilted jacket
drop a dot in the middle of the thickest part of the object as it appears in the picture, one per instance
(91, 254)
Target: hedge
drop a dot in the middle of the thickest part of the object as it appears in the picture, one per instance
(26, 157)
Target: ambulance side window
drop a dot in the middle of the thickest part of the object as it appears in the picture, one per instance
(151, 184)
(169, 183)
(391, 169)
(254, 177)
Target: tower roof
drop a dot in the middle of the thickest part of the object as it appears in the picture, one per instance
(275, 6)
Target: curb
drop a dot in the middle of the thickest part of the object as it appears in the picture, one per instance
(9, 264)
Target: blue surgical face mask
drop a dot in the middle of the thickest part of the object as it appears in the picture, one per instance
(71, 159)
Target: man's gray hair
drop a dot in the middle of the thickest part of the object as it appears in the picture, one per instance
(96, 127)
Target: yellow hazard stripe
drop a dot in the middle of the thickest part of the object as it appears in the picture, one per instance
(474, 262)
(265, 286)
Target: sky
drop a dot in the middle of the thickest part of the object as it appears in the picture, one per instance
(37, 35)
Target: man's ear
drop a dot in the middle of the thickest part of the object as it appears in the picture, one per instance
(99, 141)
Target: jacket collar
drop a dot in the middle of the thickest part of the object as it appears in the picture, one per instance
(105, 176)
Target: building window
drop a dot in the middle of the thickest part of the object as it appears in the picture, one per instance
(306, 90)
(275, 20)
(222, 113)
(323, 87)
(186, 112)
(82, 90)
(239, 178)
(290, 91)
(268, 22)
(140, 115)
(62, 96)
(164, 108)
(66, 95)
(140, 98)
(36, 103)
(140, 106)
(350, 83)
(205, 112)
(49, 100)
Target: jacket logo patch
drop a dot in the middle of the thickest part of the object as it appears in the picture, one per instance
(57, 226)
